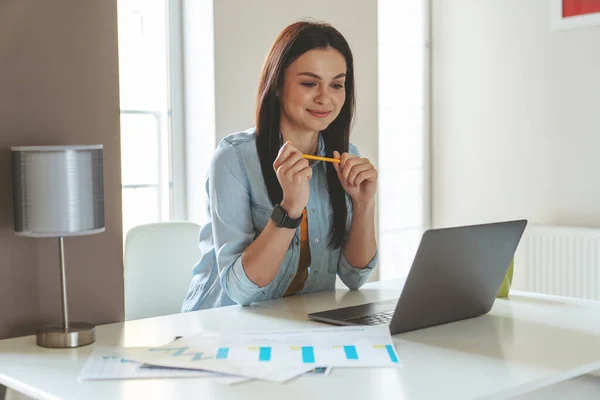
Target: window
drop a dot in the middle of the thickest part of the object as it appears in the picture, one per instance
(147, 137)
(403, 139)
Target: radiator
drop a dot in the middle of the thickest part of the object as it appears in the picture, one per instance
(559, 260)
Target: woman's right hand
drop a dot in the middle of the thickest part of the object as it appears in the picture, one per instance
(293, 173)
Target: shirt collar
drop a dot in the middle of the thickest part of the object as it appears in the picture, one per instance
(320, 144)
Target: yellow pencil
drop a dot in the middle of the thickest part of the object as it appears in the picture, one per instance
(309, 157)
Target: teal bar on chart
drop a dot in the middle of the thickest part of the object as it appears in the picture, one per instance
(351, 353)
(308, 354)
(222, 353)
(264, 354)
(391, 353)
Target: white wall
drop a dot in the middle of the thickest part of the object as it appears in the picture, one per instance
(59, 86)
(516, 115)
(244, 32)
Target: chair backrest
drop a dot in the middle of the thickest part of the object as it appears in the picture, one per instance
(158, 265)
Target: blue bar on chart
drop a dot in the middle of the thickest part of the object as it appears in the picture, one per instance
(351, 353)
(308, 354)
(391, 353)
(222, 353)
(264, 354)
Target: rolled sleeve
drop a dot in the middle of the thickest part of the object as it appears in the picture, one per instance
(352, 276)
(232, 226)
(239, 288)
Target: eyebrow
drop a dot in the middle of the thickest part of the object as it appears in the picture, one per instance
(342, 75)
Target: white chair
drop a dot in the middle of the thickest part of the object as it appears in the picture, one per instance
(158, 265)
(158, 270)
(14, 395)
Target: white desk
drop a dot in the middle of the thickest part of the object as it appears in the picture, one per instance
(524, 342)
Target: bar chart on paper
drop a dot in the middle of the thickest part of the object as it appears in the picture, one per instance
(334, 347)
(364, 354)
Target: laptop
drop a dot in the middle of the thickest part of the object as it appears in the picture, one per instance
(456, 274)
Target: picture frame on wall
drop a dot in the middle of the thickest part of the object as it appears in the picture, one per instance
(570, 14)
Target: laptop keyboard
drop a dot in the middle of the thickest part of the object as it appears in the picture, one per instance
(373, 319)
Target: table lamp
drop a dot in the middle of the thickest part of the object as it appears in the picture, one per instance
(58, 191)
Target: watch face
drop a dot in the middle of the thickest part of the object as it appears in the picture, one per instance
(278, 215)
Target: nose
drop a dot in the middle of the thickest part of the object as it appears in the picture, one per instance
(322, 97)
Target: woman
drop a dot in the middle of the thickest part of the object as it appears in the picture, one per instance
(279, 224)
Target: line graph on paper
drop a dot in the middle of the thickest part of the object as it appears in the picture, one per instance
(118, 363)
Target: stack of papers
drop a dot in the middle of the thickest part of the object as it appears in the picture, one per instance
(107, 363)
(275, 356)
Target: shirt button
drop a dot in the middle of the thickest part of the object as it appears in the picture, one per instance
(316, 240)
(291, 275)
(312, 209)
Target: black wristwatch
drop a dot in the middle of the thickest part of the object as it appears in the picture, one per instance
(283, 220)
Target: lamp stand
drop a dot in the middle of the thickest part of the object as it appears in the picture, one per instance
(74, 334)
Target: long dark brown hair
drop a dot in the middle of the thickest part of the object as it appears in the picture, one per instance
(291, 43)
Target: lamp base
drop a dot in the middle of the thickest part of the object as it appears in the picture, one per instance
(56, 337)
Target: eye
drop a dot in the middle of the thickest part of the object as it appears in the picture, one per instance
(308, 84)
(337, 86)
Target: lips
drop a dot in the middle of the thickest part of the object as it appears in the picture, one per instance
(319, 113)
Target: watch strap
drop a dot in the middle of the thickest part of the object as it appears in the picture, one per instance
(284, 220)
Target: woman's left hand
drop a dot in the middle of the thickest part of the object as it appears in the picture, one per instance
(357, 176)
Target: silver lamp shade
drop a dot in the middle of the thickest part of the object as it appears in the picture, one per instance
(58, 190)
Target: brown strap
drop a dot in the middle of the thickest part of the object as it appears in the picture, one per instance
(297, 283)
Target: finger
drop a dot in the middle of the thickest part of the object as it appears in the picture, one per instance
(292, 165)
(305, 174)
(345, 157)
(357, 169)
(336, 166)
(284, 153)
(301, 176)
(296, 164)
(350, 164)
(369, 175)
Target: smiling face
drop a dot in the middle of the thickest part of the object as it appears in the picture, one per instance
(313, 91)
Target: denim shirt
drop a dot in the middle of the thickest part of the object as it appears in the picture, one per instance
(240, 208)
